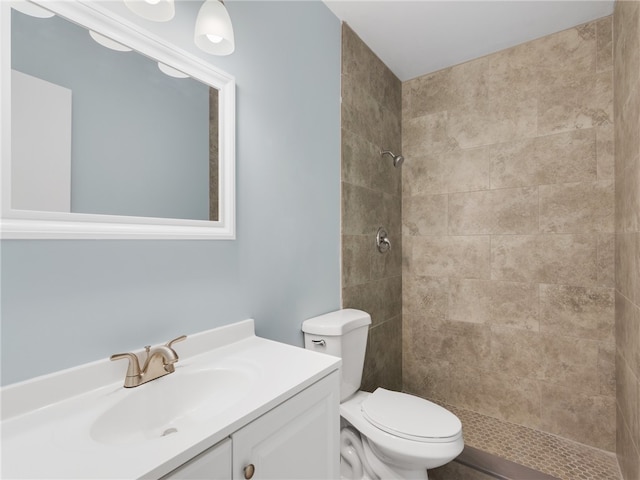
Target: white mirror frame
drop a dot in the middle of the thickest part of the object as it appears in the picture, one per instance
(24, 224)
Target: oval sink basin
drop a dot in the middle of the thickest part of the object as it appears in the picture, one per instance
(171, 404)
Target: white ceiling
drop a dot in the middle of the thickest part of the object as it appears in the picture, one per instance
(417, 37)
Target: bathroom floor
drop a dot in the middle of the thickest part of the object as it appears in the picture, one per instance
(544, 452)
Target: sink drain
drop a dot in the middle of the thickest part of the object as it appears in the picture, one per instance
(169, 431)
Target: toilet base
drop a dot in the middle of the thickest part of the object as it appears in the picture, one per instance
(359, 462)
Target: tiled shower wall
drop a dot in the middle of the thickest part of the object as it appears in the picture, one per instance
(371, 281)
(627, 172)
(508, 235)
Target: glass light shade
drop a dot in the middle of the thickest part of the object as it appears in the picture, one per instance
(31, 9)
(213, 22)
(107, 42)
(158, 11)
(170, 71)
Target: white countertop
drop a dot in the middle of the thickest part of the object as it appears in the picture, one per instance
(47, 421)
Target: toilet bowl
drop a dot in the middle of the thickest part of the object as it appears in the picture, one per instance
(384, 434)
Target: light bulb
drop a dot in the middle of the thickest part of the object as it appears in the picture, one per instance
(155, 10)
(213, 32)
(214, 38)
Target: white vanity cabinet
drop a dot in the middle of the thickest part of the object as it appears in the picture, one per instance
(235, 400)
(212, 464)
(297, 440)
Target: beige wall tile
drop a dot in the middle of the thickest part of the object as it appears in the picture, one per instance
(452, 256)
(424, 215)
(425, 379)
(516, 353)
(604, 44)
(628, 265)
(571, 362)
(628, 192)
(568, 259)
(369, 72)
(628, 332)
(468, 169)
(518, 400)
(514, 210)
(383, 361)
(504, 304)
(500, 138)
(577, 311)
(426, 298)
(362, 210)
(515, 305)
(454, 170)
(571, 50)
(487, 122)
(514, 164)
(627, 148)
(467, 344)
(432, 93)
(356, 259)
(424, 175)
(363, 166)
(511, 75)
(627, 452)
(504, 211)
(560, 158)
(363, 297)
(605, 153)
(564, 412)
(575, 102)
(381, 298)
(577, 207)
(471, 213)
(627, 397)
(607, 369)
(625, 48)
(419, 332)
(606, 260)
(361, 114)
(371, 197)
(470, 300)
(426, 135)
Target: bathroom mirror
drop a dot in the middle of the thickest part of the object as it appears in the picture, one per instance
(133, 139)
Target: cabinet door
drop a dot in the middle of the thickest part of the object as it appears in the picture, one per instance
(212, 464)
(297, 440)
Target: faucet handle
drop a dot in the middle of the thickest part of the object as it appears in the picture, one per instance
(133, 370)
(176, 340)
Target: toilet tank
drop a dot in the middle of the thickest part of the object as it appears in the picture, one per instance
(342, 333)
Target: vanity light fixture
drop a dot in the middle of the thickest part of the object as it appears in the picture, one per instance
(107, 42)
(31, 9)
(156, 10)
(170, 71)
(214, 32)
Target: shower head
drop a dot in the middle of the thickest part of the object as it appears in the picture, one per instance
(397, 159)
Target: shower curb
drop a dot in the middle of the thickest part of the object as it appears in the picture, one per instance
(498, 467)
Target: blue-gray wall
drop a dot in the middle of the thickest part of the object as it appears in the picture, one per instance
(65, 303)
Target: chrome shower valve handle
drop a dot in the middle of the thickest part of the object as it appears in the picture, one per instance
(382, 241)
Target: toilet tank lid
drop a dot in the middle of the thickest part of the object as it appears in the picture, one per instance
(336, 323)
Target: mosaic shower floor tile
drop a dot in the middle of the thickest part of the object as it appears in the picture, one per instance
(541, 451)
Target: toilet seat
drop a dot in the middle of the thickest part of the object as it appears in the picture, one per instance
(410, 417)
(398, 451)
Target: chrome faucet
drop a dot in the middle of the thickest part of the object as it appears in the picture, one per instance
(159, 362)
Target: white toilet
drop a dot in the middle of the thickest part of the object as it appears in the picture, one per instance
(383, 435)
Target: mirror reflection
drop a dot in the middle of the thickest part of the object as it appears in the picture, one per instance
(105, 131)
